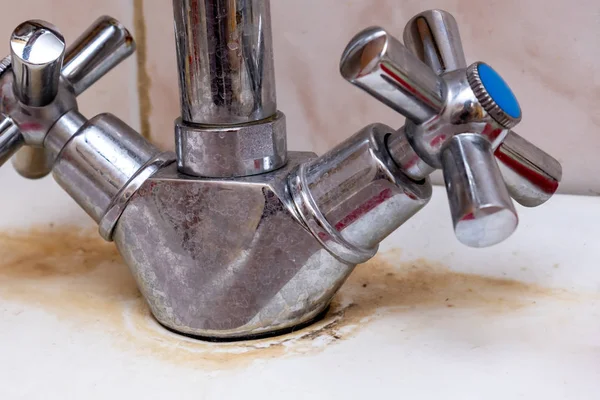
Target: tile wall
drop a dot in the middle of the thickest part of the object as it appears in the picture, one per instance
(546, 49)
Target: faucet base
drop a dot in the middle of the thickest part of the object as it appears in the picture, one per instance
(232, 258)
(226, 259)
(226, 151)
(258, 336)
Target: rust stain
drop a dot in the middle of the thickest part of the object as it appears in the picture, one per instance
(143, 77)
(81, 279)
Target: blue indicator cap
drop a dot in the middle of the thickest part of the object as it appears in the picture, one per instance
(499, 91)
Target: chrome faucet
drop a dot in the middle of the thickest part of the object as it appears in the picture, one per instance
(233, 236)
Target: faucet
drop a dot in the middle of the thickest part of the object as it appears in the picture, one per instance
(232, 236)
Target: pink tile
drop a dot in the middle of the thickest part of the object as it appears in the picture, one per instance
(546, 50)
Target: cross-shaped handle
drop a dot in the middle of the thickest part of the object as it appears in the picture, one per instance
(38, 60)
(531, 175)
(457, 119)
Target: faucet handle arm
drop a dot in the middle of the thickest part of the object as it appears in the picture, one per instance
(531, 175)
(36, 56)
(434, 38)
(482, 211)
(379, 64)
(11, 139)
(37, 50)
(98, 50)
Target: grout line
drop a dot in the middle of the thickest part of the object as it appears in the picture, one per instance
(143, 78)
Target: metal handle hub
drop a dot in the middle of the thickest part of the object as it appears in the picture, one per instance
(42, 79)
(458, 118)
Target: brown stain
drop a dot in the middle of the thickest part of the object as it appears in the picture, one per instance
(143, 77)
(81, 279)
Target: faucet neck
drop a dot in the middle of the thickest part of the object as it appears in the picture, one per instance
(229, 125)
(225, 59)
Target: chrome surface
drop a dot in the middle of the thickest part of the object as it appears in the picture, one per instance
(440, 133)
(434, 38)
(28, 97)
(225, 59)
(462, 113)
(231, 150)
(32, 162)
(112, 214)
(61, 132)
(10, 139)
(354, 196)
(34, 122)
(102, 47)
(532, 176)
(379, 64)
(405, 156)
(98, 50)
(98, 162)
(243, 256)
(226, 258)
(5, 64)
(37, 50)
(229, 125)
(481, 208)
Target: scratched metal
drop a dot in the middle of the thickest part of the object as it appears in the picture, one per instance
(226, 258)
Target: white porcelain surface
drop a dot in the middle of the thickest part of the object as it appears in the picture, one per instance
(461, 333)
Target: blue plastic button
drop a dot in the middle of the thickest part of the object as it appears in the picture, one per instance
(499, 91)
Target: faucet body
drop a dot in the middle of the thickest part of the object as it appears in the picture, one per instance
(233, 236)
(248, 257)
(240, 263)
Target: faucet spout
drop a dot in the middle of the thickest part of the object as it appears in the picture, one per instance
(225, 58)
(229, 125)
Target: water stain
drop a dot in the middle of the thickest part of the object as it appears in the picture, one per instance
(81, 279)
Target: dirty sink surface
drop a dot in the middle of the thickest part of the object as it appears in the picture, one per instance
(426, 318)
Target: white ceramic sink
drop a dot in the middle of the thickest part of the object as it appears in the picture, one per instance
(427, 318)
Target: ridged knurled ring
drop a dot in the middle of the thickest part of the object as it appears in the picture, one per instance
(487, 102)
